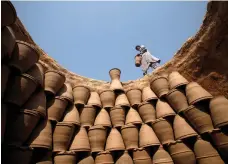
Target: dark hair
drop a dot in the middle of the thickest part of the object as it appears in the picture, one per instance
(137, 46)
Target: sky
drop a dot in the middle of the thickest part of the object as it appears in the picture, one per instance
(90, 38)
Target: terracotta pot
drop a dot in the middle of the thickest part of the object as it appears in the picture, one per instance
(94, 100)
(177, 100)
(159, 85)
(205, 153)
(148, 94)
(80, 141)
(141, 156)
(163, 130)
(86, 160)
(114, 141)
(5, 72)
(24, 56)
(220, 139)
(19, 130)
(72, 115)
(81, 95)
(133, 117)
(8, 12)
(162, 156)
(196, 93)
(3, 120)
(103, 119)
(138, 59)
(8, 42)
(66, 92)
(37, 102)
(114, 73)
(97, 138)
(42, 157)
(19, 89)
(163, 110)
(127, 132)
(117, 116)
(219, 111)
(104, 157)
(121, 100)
(182, 129)
(124, 158)
(176, 80)
(181, 153)
(134, 96)
(68, 157)
(62, 136)
(199, 118)
(37, 71)
(56, 108)
(87, 115)
(116, 85)
(147, 112)
(53, 81)
(22, 155)
(41, 136)
(147, 137)
(107, 98)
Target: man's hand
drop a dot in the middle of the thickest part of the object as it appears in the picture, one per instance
(144, 73)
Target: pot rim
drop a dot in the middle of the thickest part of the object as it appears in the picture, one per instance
(159, 120)
(30, 46)
(105, 90)
(200, 99)
(133, 88)
(144, 103)
(64, 124)
(13, 10)
(66, 153)
(29, 77)
(94, 127)
(58, 72)
(80, 85)
(157, 77)
(60, 98)
(130, 125)
(117, 107)
(115, 69)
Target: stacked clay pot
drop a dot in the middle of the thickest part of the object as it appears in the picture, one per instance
(115, 80)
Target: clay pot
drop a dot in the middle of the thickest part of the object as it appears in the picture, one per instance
(205, 153)
(162, 156)
(80, 141)
(53, 81)
(3, 120)
(181, 153)
(19, 89)
(86, 160)
(5, 72)
(220, 139)
(159, 85)
(19, 155)
(138, 59)
(127, 132)
(37, 71)
(196, 93)
(81, 95)
(163, 130)
(114, 141)
(104, 157)
(8, 12)
(114, 73)
(68, 157)
(103, 119)
(62, 136)
(41, 136)
(199, 118)
(163, 110)
(116, 85)
(107, 98)
(121, 100)
(37, 102)
(176, 80)
(19, 130)
(147, 112)
(72, 115)
(56, 108)
(24, 56)
(124, 158)
(148, 94)
(117, 116)
(219, 111)
(182, 129)
(8, 42)
(134, 96)
(42, 157)
(66, 92)
(177, 100)
(97, 138)
(147, 137)
(94, 100)
(87, 115)
(141, 156)
(133, 117)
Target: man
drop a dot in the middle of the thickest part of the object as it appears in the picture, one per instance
(147, 59)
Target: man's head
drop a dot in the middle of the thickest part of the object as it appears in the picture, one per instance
(137, 47)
